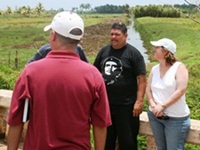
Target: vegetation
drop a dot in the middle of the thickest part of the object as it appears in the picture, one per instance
(155, 11)
(21, 37)
(111, 9)
(186, 33)
(187, 8)
(25, 10)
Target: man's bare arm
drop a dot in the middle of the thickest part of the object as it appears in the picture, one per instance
(13, 136)
(99, 137)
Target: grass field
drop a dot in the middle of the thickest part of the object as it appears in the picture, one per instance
(26, 35)
(21, 37)
(186, 34)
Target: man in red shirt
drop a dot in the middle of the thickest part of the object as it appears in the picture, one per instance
(66, 95)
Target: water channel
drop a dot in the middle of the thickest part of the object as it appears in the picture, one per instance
(135, 40)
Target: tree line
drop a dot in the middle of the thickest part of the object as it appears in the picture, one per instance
(83, 8)
(156, 11)
(138, 11)
(24, 10)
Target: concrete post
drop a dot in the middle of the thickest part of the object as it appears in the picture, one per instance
(150, 143)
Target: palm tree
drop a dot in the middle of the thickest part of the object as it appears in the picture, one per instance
(39, 8)
(74, 9)
(8, 11)
(126, 9)
(87, 6)
(82, 6)
(25, 11)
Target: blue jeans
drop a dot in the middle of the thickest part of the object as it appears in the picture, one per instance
(169, 134)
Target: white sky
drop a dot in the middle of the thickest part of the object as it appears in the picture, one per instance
(69, 4)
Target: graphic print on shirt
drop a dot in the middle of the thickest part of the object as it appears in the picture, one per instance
(112, 69)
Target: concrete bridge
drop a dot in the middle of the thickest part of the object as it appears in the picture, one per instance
(5, 98)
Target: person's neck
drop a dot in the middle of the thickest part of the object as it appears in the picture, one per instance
(65, 48)
(164, 64)
(118, 47)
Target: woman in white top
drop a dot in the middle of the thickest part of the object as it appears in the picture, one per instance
(168, 112)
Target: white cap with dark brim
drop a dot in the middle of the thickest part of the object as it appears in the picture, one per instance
(64, 22)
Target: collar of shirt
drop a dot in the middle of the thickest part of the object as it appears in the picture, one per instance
(62, 54)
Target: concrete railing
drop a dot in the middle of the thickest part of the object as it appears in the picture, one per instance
(5, 98)
(193, 137)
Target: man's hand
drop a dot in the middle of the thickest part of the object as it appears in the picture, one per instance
(137, 108)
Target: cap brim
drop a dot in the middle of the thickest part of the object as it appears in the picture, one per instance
(155, 43)
(47, 27)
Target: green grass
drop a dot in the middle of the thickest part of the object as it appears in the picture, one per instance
(93, 19)
(26, 35)
(22, 37)
(186, 34)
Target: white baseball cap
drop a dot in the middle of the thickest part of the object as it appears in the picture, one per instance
(64, 22)
(166, 43)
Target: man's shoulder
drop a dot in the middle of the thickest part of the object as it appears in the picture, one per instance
(44, 49)
(79, 48)
(105, 48)
(132, 49)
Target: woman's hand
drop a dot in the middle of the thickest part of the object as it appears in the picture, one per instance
(158, 110)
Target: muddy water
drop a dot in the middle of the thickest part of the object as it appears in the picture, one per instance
(135, 40)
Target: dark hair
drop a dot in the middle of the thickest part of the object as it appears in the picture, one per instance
(170, 58)
(120, 26)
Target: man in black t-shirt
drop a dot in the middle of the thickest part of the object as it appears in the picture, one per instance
(123, 69)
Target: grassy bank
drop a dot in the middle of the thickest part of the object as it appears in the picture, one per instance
(186, 34)
(26, 35)
(21, 37)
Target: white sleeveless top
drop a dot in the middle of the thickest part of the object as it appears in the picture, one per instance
(163, 87)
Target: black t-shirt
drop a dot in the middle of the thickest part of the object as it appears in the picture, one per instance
(120, 69)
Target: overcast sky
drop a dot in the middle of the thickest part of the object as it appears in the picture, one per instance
(69, 4)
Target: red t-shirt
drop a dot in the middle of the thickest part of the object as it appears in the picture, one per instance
(66, 96)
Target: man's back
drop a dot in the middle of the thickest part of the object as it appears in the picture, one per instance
(61, 102)
(66, 95)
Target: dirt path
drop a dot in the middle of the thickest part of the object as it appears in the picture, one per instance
(94, 39)
(97, 36)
